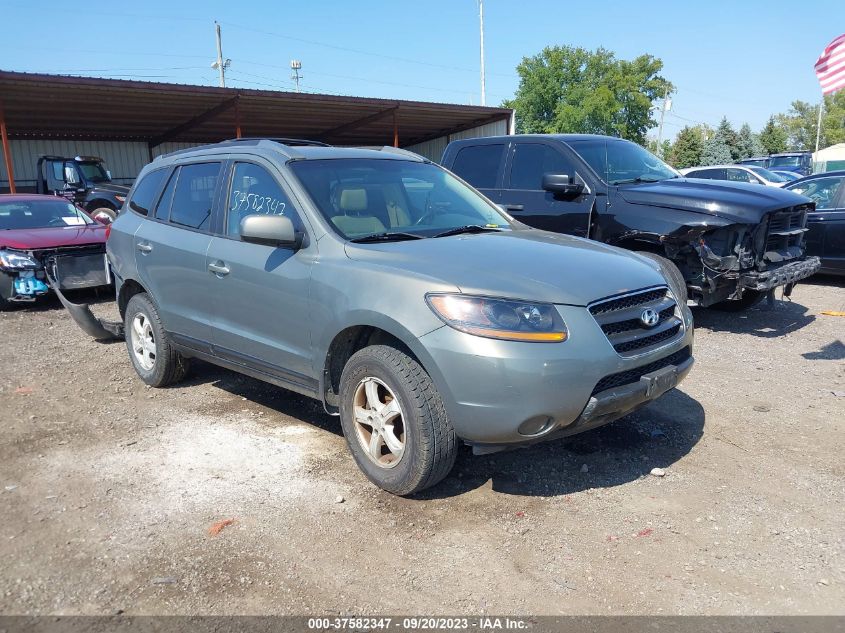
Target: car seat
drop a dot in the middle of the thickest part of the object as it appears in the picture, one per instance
(356, 218)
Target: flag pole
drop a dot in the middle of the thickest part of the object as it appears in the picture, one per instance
(819, 123)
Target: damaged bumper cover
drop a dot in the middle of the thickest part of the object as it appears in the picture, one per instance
(81, 313)
(786, 274)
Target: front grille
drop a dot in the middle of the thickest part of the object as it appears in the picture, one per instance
(786, 229)
(620, 320)
(633, 375)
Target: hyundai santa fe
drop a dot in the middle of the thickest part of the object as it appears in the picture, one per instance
(380, 284)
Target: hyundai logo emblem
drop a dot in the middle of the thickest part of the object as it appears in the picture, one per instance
(649, 317)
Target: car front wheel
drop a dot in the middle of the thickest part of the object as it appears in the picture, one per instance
(394, 421)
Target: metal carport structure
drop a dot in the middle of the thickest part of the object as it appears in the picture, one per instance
(40, 106)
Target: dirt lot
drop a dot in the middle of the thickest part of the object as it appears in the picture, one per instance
(108, 490)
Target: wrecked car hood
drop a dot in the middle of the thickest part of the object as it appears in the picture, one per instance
(53, 237)
(733, 201)
(522, 264)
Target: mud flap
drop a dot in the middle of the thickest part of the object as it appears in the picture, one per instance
(85, 319)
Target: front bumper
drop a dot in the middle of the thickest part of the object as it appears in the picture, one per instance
(782, 275)
(491, 388)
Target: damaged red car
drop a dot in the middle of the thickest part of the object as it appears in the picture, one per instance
(47, 235)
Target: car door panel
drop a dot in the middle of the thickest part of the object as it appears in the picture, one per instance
(261, 292)
(171, 252)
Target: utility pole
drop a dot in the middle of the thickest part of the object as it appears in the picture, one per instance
(667, 105)
(296, 66)
(819, 123)
(220, 65)
(481, 29)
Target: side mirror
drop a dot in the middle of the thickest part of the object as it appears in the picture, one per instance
(271, 230)
(71, 177)
(562, 184)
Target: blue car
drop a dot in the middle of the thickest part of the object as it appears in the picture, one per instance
(826, 234)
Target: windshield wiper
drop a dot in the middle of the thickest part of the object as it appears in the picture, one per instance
(397, 236)
(469, 228)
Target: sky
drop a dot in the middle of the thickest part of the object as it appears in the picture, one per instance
(744, 59)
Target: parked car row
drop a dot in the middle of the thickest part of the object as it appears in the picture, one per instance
(419, 310)
(799, 163)
(737, 173)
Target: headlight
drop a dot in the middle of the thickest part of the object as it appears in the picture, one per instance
(500, 318)
(17, 261)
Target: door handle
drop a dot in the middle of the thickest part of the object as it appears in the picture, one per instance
(145, 248)
(514, 207)
(219, 268)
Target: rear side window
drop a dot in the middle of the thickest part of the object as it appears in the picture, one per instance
(479, 164)
(740, 175)
(193, 196)
(714, 174)
(146, 191)
(531, 161)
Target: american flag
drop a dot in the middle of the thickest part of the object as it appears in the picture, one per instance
(830, 67)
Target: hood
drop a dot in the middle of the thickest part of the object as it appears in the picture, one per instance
(520, 264)
(32, 239)
(733, 201)
(111, 187)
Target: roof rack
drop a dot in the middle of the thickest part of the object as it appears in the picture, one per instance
(291, 142)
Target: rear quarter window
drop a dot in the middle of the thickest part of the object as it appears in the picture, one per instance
(479, 164)
(193, 197)
(146, 191)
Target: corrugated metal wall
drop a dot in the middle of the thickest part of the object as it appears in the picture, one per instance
(123, 159)
(433, 149)
(126, 159)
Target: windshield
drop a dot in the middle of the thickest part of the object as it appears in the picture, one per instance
(40, 214)
(785, 161)
(759, 162)
(367, 196)
(618, 162)
(765, 174)
(788, 175)
(94, 172)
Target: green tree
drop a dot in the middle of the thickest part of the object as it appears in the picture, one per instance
(730, 138)
(773, 137)
(748, 143)
(686, 152)
(800, 124)
(716, 150)
(569, 89)
(833, 120)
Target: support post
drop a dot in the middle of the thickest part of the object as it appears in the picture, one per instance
(819, 123)
(7, 152)
(238, 118)
(395, 130)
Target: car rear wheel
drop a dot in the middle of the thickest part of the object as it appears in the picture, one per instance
(395, 421)
(150, 351)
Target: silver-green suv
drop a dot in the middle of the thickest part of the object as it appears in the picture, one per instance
(404, 300)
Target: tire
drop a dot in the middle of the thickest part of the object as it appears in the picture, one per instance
(428, 441)
(673, 275)
(165, 366)
(105, 212)
(750, 298)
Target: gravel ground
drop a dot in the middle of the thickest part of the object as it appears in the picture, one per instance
(111, 492)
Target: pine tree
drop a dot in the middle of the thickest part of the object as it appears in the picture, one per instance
(773, 137)
(686, 152)
(716, 151)
(730, 138)
(748, 143)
